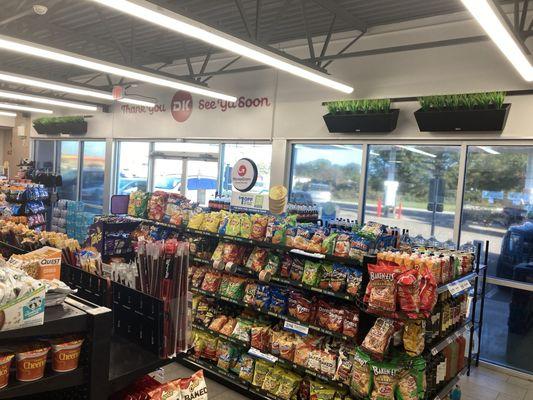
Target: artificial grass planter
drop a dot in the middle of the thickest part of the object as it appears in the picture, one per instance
(352, 116)
(60, 125)
(474, 112)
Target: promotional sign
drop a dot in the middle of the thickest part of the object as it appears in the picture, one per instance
(244, 175)
(249, 200)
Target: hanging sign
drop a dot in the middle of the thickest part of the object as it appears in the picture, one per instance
(250, 201)
(244, 175)
(118, 92)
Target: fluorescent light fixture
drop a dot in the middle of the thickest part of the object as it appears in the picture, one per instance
(129, 100)
(8, 114)
(488, 149)
(178, 23)
(19, 107)
(65, 88)
(415, 150)
(490, 19)
(49, 53)
(46, 100)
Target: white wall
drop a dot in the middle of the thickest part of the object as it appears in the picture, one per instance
(292, 110)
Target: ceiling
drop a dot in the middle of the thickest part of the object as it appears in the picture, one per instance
(84, 27)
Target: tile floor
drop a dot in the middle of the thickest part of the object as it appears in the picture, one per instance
(483, 384)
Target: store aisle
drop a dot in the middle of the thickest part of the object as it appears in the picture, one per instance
(483, 384)
(488, 384)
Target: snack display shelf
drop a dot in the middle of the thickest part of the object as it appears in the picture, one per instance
(246, 272)
(230, 339)
(271, 358)
(59, 319)
(274, 315)
(327, 257)
(50, 382)
(129, 361)
(441, 345)
(449, 386)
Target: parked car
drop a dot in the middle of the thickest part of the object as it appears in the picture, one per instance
(517, 248)
(300, 197)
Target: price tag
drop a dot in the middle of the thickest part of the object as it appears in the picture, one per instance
(294, 327)
(455, 288)
(256, 353)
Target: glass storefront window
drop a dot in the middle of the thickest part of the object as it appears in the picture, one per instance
(92, 173)
(261, 154)
(498, 205)
(44, 155)
(413, 187)
(68, 161)
(507, 334)
(328, 176)
(132, 167)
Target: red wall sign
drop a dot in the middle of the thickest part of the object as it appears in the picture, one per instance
(181, 106)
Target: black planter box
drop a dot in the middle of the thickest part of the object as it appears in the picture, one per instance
(462, 120)
(66, 128)
(354, 123)
(45, 130)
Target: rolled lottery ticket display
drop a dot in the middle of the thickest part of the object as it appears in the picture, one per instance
(277, 199)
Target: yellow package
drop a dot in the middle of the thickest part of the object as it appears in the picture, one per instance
(211, 222)
(246, 226)
(196, 221)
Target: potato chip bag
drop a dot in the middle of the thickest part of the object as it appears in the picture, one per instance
(194, 388)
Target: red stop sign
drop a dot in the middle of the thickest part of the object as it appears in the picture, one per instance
(181, 106)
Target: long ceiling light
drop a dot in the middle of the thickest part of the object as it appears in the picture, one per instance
(37, 50)
(18, 107)
(64, 88)
(415, 150)
(488, 149)
(178, 23)
(8, 114)
(46, 100)
(491, 21)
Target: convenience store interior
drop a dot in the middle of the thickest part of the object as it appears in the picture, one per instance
(165, 105)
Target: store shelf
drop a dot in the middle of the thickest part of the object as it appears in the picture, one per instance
(61, 319)
(436, 349)
(467, 277)
(272, 314)
(260, 243)
(449, 386)
(51, 381)
(128, 361)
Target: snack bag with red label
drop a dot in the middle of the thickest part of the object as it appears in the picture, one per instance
(194, 388)
(381, 290)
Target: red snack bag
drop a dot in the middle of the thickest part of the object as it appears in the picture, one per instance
(300, 307)
(427, 290)
(408, 297)
(211, 281)
(230, 253)
(350, 324)
(329, 316)
(381, 289)
(285, 267)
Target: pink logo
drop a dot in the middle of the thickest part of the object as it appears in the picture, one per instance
(181, 106)
(242, 170)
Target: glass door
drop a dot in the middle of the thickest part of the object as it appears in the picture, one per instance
(168, 175)
(201, 180)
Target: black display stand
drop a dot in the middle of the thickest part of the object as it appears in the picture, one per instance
(114, 357)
